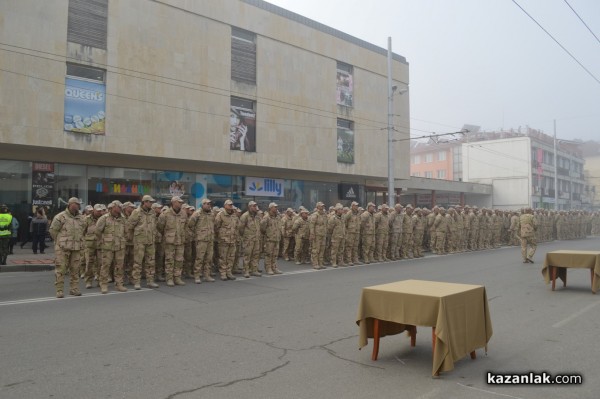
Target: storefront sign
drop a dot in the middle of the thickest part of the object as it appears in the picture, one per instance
(348, 191)
(263, 187)
(42, 184)
(84, 106)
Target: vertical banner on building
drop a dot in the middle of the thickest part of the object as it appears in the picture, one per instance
(242, 129)
(42, 184)
(345, 145)
(344, 88)
(84, 106)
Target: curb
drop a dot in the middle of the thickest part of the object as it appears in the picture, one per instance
(26, 268)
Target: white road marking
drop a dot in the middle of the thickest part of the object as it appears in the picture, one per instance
(575, 315)
(49, 299)
(486, 391)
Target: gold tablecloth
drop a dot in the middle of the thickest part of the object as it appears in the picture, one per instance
(575, 259)
(459, 313)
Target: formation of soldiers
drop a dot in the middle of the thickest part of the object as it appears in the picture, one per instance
(123, 244)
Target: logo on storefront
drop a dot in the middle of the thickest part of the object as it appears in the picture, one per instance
(348, 191)
(263, 187)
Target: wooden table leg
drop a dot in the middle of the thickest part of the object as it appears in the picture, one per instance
(413, 335)
(473, 355)
(592, 278)
(437, 373)
(565, 278)
(375, 339)
(553, 272)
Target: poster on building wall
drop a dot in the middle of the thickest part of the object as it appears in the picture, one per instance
(242, 129)
(42, 184)
(344, 88)
(345, 145)
(84, 106)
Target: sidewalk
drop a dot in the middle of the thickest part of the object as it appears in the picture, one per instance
(24, 260)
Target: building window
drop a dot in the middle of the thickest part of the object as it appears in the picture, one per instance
(345, 141)
(87, 22)
(428, 175)
(441, 155)
(85, 72)
(243, 56)
(416, 159)
(416, 174)
(242, 125)
(428, 158)
(441, 173)
(345, 85)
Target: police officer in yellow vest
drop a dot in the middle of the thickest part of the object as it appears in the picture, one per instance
(5, 233)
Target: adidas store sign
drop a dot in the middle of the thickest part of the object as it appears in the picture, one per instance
(348, 191)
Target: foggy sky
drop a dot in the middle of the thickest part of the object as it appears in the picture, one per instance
(483, 62)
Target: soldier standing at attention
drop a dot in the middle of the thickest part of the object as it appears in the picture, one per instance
(287, 223)
(418, 222)
(407, 231)
(91, 249)
(226, 228)
(159, 250)
(528, 228)
(270, 226)
(382, 230)
(367, 233)
(142, 226)
(202, 225)
(352, 225)
(318, 236)
(395, 232)
(250, 233)
(302, 232)
(171, 224)
(110, 233)
(66, 231)
(336, 228)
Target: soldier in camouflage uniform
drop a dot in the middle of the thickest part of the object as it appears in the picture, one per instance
(407, 232)
(382, 231)
(318, 236)
(226, 229)
(367, 233)
(337, 230)
(430, 219)
(418, 223)
(270, 226)
(66, 231)
(159, 250)
(142, 226)
(395, 232)
(110, 233)
(352, 225)
(528, 227)
(92, 269)
(171, 224)
(202, 224)
(250, 233)
(188, 255)
(302, 235)
(513, 229)
(127, 208)
(441, 226)
(287, 223)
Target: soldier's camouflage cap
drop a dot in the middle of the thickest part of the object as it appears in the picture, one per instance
(304, 210)
(89, 208)
(385, 206)
(252, 203)
(320, 204)
(176, 199)
(371, 204)
(73, 200)
(338, 206)
(228, 202)
(99, 207)
(354, 203)
(289, 210)
(156, 205)
(148, 198)
(128, 204)
(272, 205)
(206, 201)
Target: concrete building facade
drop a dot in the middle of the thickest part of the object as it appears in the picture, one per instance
(220, 98)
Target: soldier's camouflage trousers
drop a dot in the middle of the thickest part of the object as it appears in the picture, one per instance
(395, 245)
(301, 249)
(67, 262)
(271, 252)
(159, 259)
(251, 255)
(528, 242)
(418, 243)
(226, 258)
(204, 258)
(92, 264)
(407, 245)
(107, 258)
(368, 246)
(288, 246)
(337, 251)
(440, 242)
(318, 251)
(351, 248)
(128, 262)
(381, 245)
(143, 256)
(173, 260)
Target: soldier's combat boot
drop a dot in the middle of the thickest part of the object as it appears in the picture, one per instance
(103, 288)
(121, 288)
(60, 294)
(170, 282)
(277, 271)
(137, 286)
(230, 276)
(150, 283)
(88, 285)
(197, 279)
(179, 281)
(208, 278)
(256, 274)
(75, 292)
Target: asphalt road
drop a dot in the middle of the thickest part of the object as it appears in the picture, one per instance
(292, 336)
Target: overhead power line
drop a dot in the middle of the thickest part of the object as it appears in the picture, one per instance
(582, 21)
(557, 42)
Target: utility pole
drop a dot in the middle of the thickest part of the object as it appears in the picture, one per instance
(555, 170)
(390, 129)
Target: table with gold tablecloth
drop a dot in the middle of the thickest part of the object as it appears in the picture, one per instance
(563, 259)
(458, 312)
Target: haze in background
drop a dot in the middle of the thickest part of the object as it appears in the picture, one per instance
(483, 62)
